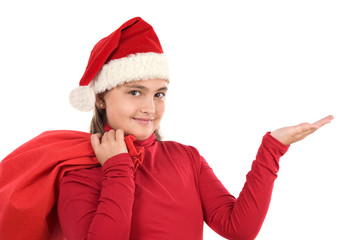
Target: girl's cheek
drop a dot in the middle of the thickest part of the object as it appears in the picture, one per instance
(160, 107)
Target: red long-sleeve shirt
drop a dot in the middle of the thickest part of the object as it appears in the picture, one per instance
(169, 196)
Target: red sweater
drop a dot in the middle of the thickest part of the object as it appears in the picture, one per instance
(169, 196)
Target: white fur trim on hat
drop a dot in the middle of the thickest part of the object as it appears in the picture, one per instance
(82, 98)
(140, 66)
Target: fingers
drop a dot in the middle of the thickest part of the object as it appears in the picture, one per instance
(95, 140)
(111, 135)
(119, 135)
(108, 136)
(108, 145)
(305, 129)
(322, 122)
(289, 135)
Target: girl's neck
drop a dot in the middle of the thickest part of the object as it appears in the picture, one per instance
(144, 143)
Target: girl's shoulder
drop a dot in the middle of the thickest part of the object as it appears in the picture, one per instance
(91, 177)
(176, 147)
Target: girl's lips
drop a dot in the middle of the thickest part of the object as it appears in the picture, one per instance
(144, 121)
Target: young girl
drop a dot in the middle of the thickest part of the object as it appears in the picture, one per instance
(145, 188)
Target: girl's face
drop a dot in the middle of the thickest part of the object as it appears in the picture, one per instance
(136, 107)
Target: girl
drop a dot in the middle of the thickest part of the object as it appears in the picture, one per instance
(173, 190)
(145, 188)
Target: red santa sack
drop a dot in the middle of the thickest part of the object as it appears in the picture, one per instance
(29, 181)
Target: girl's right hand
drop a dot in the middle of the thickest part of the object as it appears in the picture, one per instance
(110, 144)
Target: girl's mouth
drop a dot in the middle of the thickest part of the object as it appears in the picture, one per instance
(143, 121)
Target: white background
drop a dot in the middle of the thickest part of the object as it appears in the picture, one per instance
(238, 70)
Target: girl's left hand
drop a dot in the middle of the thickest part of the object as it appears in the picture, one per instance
(289, 135)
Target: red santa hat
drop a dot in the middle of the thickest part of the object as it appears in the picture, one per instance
(132, 52)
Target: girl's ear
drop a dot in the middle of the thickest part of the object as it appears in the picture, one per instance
(100, 102)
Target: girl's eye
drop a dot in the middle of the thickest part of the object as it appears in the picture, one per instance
(135, 93)
(160, 95)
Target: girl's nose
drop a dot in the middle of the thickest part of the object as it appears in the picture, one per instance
(148, 106)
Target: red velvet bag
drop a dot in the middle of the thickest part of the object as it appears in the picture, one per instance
(29, 182)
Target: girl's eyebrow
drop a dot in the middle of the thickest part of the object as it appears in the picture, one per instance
(163, 89)
(134, 86)
(143, 88)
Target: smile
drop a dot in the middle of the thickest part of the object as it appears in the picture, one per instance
(143, 121)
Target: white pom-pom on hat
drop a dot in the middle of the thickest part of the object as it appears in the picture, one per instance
(83, 98)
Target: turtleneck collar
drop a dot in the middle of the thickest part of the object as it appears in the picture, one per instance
(147, 142)
(139, 143)
(136, 148)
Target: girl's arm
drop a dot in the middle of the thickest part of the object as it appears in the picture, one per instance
(242, 218)
(97, 203)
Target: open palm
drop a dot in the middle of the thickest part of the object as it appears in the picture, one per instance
(292, 134)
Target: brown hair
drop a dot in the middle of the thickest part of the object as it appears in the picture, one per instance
(99, 119)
